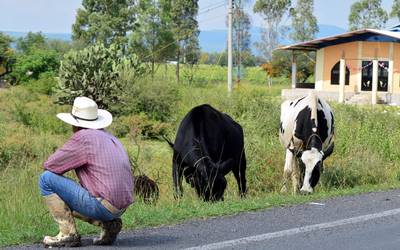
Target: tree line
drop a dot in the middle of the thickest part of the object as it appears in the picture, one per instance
(160, 31)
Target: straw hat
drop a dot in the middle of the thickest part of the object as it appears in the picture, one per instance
(85, 114)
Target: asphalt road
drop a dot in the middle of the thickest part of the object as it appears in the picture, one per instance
(368, 221)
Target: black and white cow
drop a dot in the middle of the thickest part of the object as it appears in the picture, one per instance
(208, 145)
(306, 132)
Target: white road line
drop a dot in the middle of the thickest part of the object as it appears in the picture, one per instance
(317, 203)
(305, 229)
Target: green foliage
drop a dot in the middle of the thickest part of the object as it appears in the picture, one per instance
(395, 12)
(140, 127)
(186, 30)
(30, 132)
(27, 123)
(31, 65)
(59, 46)
(32, 41)
(156, 99)
(304, 23)
(103, 74)
(202, 75)
(241, 35)
(367, 14)
(272, 12)
(7, 57)
(36, 55)
(46, 84)
(281, 63)
(220, 59)
(104, 21)
(153, 40)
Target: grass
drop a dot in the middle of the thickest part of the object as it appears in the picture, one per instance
(366, 157)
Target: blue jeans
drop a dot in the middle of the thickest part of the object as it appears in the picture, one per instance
(74, 195)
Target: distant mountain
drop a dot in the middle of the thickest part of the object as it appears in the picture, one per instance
(210, 40)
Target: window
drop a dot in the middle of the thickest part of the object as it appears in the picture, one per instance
(335, 74)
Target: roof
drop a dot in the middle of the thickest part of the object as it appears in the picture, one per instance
(370, 35)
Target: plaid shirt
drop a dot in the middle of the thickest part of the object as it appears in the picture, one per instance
(100, 162)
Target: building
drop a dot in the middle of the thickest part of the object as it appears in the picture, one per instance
(354, 67)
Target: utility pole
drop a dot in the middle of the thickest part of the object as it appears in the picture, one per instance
(230, 7)
(239, 32)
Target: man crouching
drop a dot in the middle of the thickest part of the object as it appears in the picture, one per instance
(102, 166)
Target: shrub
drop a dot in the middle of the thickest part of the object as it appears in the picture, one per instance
(44, 85)
(103, 74)
(31, 66)
(156, 99)
(140, 126)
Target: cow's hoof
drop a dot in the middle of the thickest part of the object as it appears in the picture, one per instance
(303, 192)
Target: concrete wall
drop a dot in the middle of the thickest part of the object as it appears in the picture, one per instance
(353, 52)
(332, 96)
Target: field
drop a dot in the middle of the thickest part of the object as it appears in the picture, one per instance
(366, 156)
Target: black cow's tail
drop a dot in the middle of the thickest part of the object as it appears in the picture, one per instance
(168, 141)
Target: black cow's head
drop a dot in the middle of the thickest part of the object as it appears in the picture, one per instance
(312, 162)
(208, 179)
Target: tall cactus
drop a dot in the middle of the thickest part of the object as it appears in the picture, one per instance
(101, 73)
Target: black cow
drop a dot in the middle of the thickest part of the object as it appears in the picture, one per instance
(208, 145)
(307, 132)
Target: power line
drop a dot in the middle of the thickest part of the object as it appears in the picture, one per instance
(210, 9)
(210, 19)
(212, 5)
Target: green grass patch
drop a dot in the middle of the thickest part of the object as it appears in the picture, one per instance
(366, 155)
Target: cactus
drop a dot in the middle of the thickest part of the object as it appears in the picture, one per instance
(101, 73)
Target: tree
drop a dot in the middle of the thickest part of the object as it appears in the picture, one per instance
(304, 23)
(33, 64)
(281, 63)
(153, 40)
(60, 46)
(104, 21)
(241, 36)
(7, 58)
(30, 42)
(368, 14)
(186, 30)
(272, 12)
(395, 9)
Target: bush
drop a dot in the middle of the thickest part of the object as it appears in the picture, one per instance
(103, 74)
(31, 66)
(44, 85)
(140, 126)
(156, 99)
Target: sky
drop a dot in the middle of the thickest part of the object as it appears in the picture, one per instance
(57, 16)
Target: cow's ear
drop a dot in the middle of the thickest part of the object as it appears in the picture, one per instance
(328, 151)
(226, 166)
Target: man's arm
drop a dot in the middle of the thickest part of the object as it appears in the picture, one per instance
(71, 155)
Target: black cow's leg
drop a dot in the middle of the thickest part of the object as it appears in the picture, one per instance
(177, 177)
(240, 175)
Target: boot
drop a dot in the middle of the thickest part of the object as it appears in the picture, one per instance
(61, 213)
(109, 232)
(109, 229)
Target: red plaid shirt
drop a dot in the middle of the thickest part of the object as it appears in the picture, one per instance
(100, 162)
